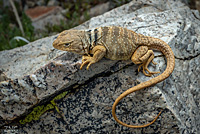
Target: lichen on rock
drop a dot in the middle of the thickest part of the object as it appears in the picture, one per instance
(40, 110)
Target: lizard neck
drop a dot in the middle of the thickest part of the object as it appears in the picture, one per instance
(92, 38)
(85, 42)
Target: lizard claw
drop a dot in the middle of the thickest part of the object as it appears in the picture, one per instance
(154, 62)
(87, 60)
(84, 58)
(150, 73)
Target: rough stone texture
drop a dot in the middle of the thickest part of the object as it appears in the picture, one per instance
(36, 72)
(97, 10)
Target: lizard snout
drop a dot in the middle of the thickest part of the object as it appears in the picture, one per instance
(55, 43)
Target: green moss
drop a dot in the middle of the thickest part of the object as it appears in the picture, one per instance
(40, 110)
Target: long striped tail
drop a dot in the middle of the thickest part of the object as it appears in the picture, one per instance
(157, 44)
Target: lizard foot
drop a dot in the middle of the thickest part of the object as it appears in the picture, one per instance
(143, 56)
(87, 60)
(144, 66)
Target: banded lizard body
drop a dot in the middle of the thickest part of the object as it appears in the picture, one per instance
(117, 43)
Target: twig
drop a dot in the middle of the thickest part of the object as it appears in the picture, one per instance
(17, 16)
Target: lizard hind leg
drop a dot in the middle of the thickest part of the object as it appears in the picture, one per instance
(143, 56)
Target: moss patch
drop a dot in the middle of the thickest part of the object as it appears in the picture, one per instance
(40, 110)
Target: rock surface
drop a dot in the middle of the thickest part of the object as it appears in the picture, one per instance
(41, 16)
(35, 73)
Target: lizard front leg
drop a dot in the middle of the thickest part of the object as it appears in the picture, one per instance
(98, 53)
(144, 56)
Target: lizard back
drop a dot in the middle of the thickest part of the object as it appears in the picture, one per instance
(119, 42)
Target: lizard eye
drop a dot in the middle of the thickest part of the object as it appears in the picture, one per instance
(67, 44)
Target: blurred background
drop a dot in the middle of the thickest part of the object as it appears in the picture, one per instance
(23, 21)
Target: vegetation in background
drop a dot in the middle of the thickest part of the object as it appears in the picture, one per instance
(75, 9)
(78, 8)
(9, 29)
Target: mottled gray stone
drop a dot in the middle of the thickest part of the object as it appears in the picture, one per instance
(37, 72)
(99, 9)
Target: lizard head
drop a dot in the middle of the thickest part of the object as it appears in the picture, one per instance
(71, 41)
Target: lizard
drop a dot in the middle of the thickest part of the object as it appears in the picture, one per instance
(118, 43)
